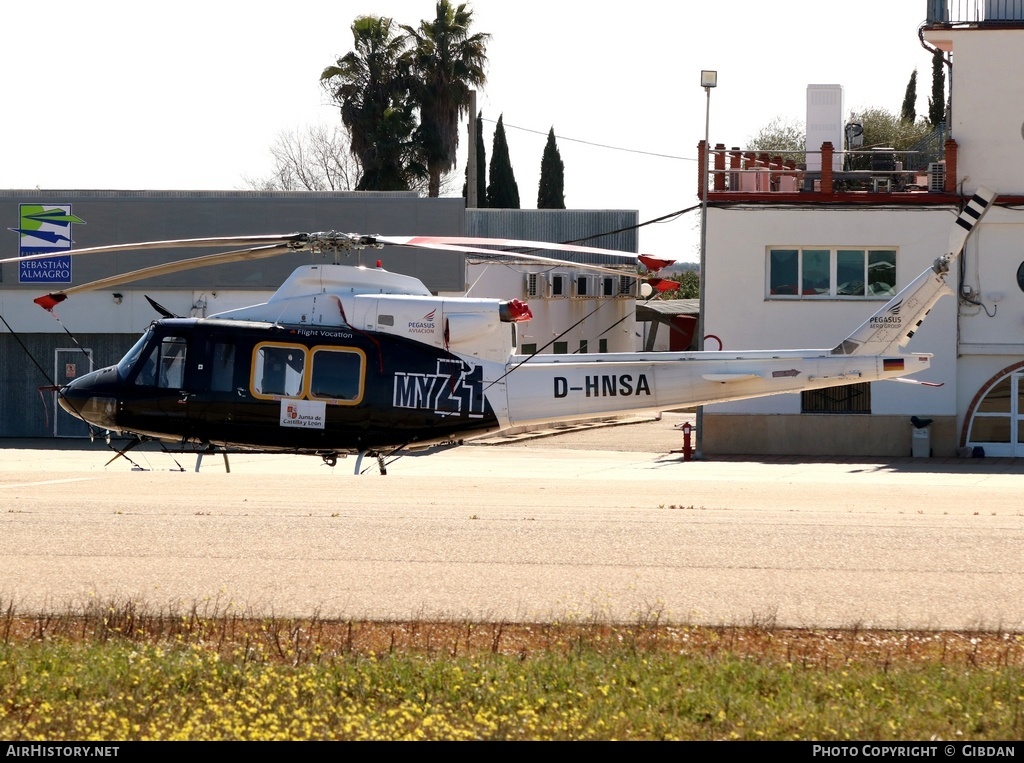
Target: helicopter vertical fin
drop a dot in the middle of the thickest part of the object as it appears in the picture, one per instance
(889, 329)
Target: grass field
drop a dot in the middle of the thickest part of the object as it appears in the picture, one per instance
(118, 671)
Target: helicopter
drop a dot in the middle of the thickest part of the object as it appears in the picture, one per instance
(347, 359)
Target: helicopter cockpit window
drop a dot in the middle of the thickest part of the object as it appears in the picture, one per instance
(278, 370)
(164, 364)
(127, 363)
(337, 375)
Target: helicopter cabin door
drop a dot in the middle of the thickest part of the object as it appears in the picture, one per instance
(156, 397)
(68, 364)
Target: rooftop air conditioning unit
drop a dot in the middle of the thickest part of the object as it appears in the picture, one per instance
(560, 285)
(586, 286)
(937, 177)
(533, 285)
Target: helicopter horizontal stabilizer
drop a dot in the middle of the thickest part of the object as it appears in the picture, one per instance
(905, 380)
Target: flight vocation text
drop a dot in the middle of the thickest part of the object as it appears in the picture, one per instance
(454, 388)
(605, 385)
(323, 333)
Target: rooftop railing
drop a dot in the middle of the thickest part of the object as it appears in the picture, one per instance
(975, 12)
(735, 172)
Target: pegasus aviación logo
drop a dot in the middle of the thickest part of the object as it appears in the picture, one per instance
(891, 318)
(425, 325)
(45, 229)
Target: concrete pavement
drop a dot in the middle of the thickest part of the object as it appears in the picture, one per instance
(597, 522)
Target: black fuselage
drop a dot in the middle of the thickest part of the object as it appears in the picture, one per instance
(287, 388)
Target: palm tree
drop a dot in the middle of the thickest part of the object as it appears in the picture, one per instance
(371, 86)
(447, 62)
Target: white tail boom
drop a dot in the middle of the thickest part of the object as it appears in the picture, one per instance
(548, 388)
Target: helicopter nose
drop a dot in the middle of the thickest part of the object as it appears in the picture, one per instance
(87, 398)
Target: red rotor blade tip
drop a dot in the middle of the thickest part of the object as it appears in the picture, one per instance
(663, 284)
(50, 301)
(653, 263)
(515, 311)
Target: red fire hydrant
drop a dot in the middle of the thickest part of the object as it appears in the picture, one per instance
(687, 450)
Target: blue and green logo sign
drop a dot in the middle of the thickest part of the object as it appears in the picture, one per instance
(45, 229)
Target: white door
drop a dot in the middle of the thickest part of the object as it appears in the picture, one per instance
(998, 421)
(69, 363)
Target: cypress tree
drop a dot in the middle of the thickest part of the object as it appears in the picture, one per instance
(502, 191)
(481, 163)
(551, 192)
(937, 103)
(909, 111)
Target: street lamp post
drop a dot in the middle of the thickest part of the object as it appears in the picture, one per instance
(708, 80)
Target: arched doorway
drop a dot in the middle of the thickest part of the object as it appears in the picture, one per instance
(996, 417)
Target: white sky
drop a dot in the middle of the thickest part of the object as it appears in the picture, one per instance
(190, 95)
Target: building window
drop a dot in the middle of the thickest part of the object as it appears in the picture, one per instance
(850, 398)
(529, 348)
(583, 345)
(814, 273)
(602, 345)
(561, 348)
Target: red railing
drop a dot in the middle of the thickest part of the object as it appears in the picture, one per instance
(734, 171)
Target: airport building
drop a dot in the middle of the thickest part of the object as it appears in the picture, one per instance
(800, 254)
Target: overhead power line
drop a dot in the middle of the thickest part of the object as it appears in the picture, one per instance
(597, 145)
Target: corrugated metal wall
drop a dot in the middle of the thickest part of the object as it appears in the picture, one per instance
(25, 411)
(119, 217)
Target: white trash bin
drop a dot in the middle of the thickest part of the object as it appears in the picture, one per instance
(921, 442)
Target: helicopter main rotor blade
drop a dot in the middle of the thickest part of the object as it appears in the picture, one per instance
(258, 247)
(49, 301)
(294, 239)
(444, 242)
(514, 255)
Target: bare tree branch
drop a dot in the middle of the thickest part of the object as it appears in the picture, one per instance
(317, 158)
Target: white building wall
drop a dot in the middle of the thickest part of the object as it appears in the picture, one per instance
(991, 260)
(742, 315)
(987, 91)
(556, 318)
